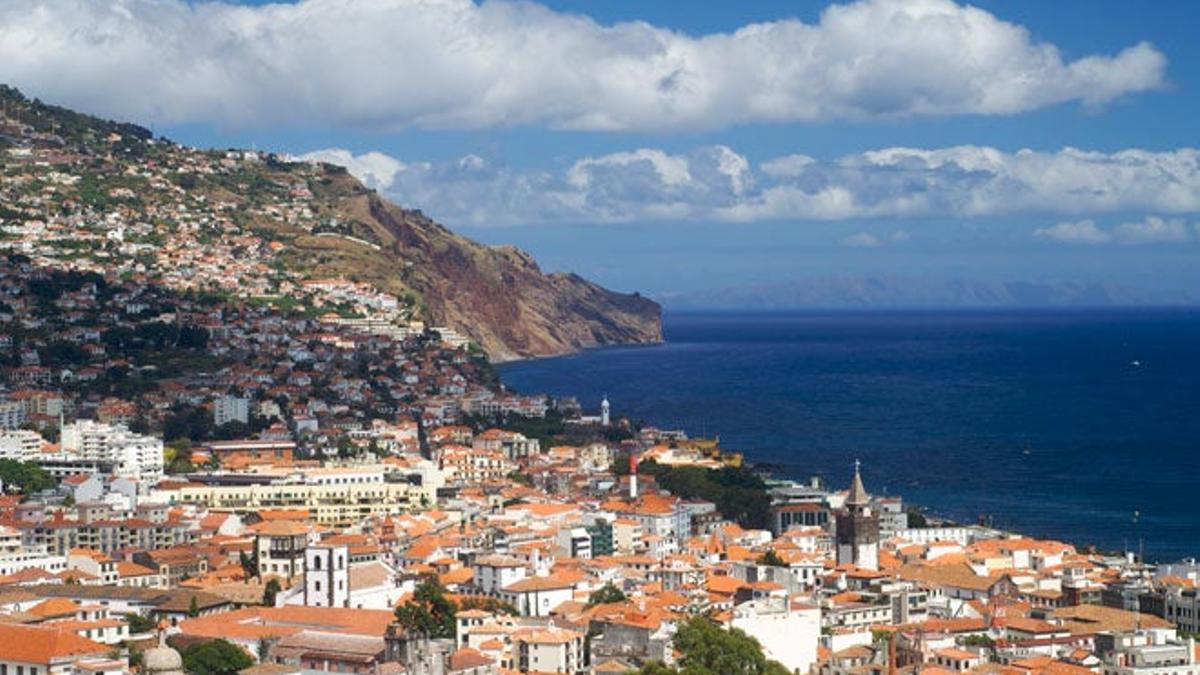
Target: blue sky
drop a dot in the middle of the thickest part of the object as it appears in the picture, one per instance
(882, 137)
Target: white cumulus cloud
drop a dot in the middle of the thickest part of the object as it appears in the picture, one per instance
(862, 240)
(1149, 230)
(716, 183)
(1153, 230)
(869, 240)
(375, 169)
(1077, 232)
(388, 64)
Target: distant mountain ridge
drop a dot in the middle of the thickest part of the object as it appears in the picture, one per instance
(918, 292)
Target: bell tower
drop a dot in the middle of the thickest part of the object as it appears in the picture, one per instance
(327, 575)
(858, 527)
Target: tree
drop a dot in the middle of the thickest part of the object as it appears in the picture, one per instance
(656, 668)
(521, 478)
(979, 641)
(264, 647)
(177, 451)
(428, 613)
(491, 605)
(193, 608)
(270, 591)
(24, 478)
(140, 624)
(707, 649)
(738, 492)
(249, 565)
(916, 518)
(604, 595)
(771, 559)
(219, 657)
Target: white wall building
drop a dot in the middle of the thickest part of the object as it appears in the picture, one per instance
(132, 455)
(788, 632)
(228, 409)
(538, 596)
(963, 535)
(12, 414)
(492, 573)
(14, 556)
(21, 445)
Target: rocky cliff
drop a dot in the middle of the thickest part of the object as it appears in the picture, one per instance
(497, 295)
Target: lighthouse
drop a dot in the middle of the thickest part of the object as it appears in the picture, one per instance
(604, 412)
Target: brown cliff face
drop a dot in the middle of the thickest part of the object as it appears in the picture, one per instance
(496, 295)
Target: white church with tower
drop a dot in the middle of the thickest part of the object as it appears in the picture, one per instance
(604, 419)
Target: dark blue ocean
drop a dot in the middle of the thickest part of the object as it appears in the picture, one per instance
(1040, 421)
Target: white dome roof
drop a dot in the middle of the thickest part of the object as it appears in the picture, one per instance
(162, 660)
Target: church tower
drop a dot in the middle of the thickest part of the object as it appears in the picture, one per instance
(327, 575)
(858, 528)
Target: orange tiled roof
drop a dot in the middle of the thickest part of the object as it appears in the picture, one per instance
(41, 644)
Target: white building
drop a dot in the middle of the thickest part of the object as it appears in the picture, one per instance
(574, 542)
(132, 455)
(538, 596)
(228, 409)
(492, 573)
(963, 535)
(22, 445)
(550, 650)
(14, 556)
(788, 632)
(892, 516)
(12, 414)
(1144, 653)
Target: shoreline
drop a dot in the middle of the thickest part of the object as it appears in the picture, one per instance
(499, 363)
(1101, 520)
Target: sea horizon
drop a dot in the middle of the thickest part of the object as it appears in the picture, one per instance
(1013, 398)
